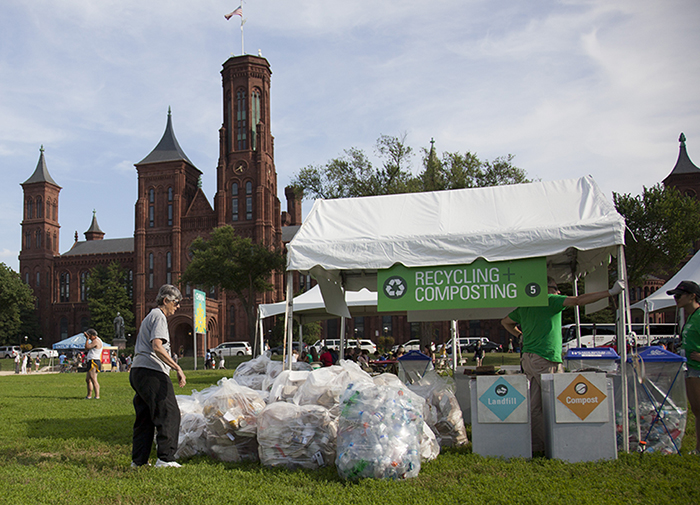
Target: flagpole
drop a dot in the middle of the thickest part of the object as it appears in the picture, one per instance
(242, 49)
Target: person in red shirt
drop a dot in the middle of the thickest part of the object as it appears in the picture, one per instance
(326, 357)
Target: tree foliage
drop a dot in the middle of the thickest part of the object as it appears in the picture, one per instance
(234, 264)
(16, 305)
(662, 225)
(108, 293)
(354, 175)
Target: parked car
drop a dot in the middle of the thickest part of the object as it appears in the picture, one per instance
(42, 353)
(295, 346)
(233, 349)
(9, 351)
(488, 346)
(411, 345)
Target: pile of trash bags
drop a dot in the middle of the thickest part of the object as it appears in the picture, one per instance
(366, 426)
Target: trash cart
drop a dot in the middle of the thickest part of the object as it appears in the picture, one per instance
(413, 365)
(656, 384)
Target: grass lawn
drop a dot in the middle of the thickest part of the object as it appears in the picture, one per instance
(57, 447)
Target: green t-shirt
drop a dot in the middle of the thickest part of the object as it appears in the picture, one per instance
(542, 328)
(691, 338)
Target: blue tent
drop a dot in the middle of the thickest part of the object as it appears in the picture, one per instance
(74, 342)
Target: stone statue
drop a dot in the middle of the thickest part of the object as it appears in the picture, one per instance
(119, 326)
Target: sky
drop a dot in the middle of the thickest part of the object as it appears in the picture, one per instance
(571, 88)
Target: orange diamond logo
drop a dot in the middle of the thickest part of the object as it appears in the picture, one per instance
(581, 397)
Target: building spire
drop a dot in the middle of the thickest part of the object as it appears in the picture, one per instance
(41, 172)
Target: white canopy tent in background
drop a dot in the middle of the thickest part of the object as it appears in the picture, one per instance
(659, 300)
(309, 307)
(342, 243)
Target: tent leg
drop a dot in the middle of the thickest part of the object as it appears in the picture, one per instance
(577, 317)
(288, 326)
(455, 343)
(341, 353)
(622, 348)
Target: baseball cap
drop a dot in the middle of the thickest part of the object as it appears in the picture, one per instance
(685, 287)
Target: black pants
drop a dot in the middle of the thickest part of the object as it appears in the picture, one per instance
(156, 409)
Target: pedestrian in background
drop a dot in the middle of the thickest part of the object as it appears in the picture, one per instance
(93, 346)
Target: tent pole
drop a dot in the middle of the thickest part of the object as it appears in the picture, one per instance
(622, 348)
(453, 330)
(257, 332)
(301, 338)
(288, 324)
(577, 317)
(341, 353)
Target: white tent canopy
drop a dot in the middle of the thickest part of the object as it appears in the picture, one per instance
(309, 305)
(659, 300)
(343, 242)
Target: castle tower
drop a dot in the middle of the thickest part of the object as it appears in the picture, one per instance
(94, 232)
(40, 236)
(246, 196)
(167, 186)
(685, 176)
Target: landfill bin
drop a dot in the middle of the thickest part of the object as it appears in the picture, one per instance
(595, 359)
(500, 410)
(579, 416)
(656, 386)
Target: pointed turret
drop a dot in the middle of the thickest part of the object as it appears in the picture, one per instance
(168, 149)
(94, 232)
(41, 173)
(683, 165)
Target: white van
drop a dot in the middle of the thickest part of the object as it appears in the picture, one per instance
(334, 343)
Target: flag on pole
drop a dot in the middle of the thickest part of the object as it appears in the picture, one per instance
(237, 12)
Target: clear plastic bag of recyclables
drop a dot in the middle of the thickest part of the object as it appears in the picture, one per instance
(231, 413)
(379, 433)
(444, 414)
(192, 439)
(296, 436)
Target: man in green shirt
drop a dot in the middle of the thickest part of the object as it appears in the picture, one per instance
(541, 338)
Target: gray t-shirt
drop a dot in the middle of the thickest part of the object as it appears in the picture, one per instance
(154, 325)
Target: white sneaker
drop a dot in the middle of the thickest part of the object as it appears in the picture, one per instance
(165, 464)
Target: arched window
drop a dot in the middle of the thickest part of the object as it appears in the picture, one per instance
(38, 279)
(55, 242)
(39, 207)
(170, 207)
(150, 270)
(38, 239)
(151, 208)
(26, 278)
(131, 284)
(83, 286)
(28, 240)
(30, 209)
(63, 328)
(48, 240)
(241, 123)
(249, 200)
(255, 112)
(55, 211)
(64, 287)
(168, 267)
(234, 201)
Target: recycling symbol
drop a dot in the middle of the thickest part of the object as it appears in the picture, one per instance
(395, 287)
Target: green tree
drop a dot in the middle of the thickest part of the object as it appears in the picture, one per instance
(108, 293)
(353, 174)
(662, 225)
(234, 264)
(16, 305)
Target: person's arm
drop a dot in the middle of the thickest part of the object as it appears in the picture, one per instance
(165, 357)
(90, 344)
(587, 298)
(511, 327)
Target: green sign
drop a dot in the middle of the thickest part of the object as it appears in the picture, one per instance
(521, 283)
(200, 311)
